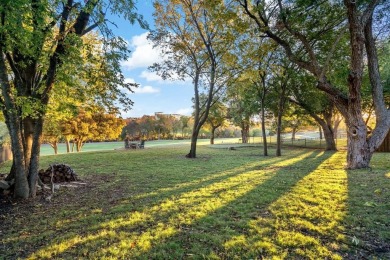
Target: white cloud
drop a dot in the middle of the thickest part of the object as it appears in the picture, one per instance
(146, 90)
(184, 111)
(129, 80)
(143, 54)
(150, 76)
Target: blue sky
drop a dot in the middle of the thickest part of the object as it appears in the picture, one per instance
(154, 94)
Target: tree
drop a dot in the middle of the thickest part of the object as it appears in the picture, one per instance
(310, 32)
(263, 54)
(96, 126)
(39, 44)
(184, 121)
(240, 106)
(217, 118)
(197, 43)
(52, 133)
(321, 109)
(281, 82)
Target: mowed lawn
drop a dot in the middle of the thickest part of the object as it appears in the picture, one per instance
(226, 204)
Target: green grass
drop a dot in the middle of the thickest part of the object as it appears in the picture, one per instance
(46, 149)
(226, 204)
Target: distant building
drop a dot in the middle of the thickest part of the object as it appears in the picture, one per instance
(158, 114)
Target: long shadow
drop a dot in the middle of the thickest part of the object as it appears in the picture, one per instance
(368, 216)
(135, 234)
(165, 214)
(248, 227)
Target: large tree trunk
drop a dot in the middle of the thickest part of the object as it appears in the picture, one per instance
(23, 78)
(35, 155)
(14, 124)
(326, 127)
(22, 189)
(358, 155)
(359, 16)
(329, 139)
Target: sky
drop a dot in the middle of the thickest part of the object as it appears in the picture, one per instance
(154, 94)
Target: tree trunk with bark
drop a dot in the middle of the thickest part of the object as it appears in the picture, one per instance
(336, 123)
(244, 133)
(262, 95)
(213, 128)
(320, 131)
(24, 79)
(263, 132)
(194, 140)
(54, 145)
(278, 133)
(79, 144)
(363, 51)
(281, 103)
(293, 133)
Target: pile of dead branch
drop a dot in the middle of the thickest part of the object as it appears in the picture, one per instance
(58, 173)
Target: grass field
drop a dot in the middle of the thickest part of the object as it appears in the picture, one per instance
(46, 149)
(226, 204)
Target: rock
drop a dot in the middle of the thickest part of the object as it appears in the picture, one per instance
(4, 185)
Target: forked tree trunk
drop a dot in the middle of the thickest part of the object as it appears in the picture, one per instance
(329, 139)
(54, 145)
(79, 144)
(360, 19)
(358, 155)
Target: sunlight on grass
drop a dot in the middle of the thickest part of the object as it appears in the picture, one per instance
(212, 177)
(304, 222)
(136, 232)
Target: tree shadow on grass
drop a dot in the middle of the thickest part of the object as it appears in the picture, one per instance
(129, 233)
(294, 214)
(368, 218)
